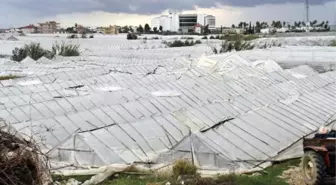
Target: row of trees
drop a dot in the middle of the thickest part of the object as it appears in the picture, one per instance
(280, 24)
(140, 29)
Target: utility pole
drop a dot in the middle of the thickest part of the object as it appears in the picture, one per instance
(307, 15)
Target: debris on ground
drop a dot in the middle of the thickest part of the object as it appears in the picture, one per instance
(21, 163)
(293, 176)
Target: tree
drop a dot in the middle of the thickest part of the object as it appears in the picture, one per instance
(326, 25)
(125, 29)
(233, 26)
(258, 27)
(69, 30)
(273, 24)
(284, 24)
(206, 29)
(240, 25)
(161, 28)
(313, 23)
(140, 29)
(155, 29)
(147, 28)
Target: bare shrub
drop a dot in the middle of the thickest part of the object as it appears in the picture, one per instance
(184, 167)
(64, 49)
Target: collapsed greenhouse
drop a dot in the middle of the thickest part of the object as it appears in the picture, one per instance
(224, 112)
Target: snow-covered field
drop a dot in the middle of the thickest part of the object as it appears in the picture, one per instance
(124, 102)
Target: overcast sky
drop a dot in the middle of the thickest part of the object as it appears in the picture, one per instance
(15, 13)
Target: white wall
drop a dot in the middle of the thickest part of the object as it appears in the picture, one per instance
(201, 19)
(27, 30)
(165, 23)
(175, 22)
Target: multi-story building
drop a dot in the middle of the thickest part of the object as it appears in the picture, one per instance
(210, 21)
(49, 27)
(184, 23)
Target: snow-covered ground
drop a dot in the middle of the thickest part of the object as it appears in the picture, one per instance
(124, 102)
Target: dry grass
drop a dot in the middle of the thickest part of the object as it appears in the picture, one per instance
(8, 77)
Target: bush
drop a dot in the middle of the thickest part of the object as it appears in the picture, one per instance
(217, 37)
(229, 46)
(333, 43)
(131, 36)
(177, 43)
(184, 167)
(83, 36)
(66, 49)
(91, 37)
(19, 54)
(33, 50)
(198, 42)
(212, 37)
(205, 37)
(73, 36)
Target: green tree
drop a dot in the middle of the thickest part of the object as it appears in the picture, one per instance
(233, 26)
(155, 29)
(161, 28)
(273, 24)
(131, 29)
(147, 28)
(69, 30)
(140, 29)
(258, 27)
(206, 29)
(326, 25)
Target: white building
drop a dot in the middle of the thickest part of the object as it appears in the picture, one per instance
(211, 21)
(28, 29)
(184, 23)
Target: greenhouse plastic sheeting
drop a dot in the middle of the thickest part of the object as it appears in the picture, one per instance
(232, 115)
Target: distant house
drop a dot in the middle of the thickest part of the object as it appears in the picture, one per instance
(48, 27)
(111, 30)
(81, 29)
(29, 29)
